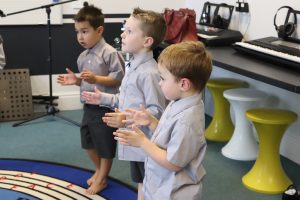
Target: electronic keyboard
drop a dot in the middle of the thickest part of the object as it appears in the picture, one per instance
(272, 49)
(211, 36)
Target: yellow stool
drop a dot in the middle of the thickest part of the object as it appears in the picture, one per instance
(221, 128)
(267, 175)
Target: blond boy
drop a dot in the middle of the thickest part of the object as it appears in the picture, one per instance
(143, 31)
(173, 167)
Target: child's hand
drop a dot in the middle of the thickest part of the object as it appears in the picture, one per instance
(92, 97)
(114, 119)
(67, 79)
(138, 117)
(133, 137)
(88, 76)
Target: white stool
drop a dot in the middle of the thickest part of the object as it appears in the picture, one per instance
(242, 145)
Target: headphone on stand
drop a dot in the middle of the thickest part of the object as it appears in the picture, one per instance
(219, 21)
(205, 17)
(287, 28)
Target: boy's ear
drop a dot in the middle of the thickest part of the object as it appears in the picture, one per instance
(100, 29)
(148, 41)
(185, 84)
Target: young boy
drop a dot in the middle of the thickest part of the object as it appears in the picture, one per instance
(143, 31)
(101, 66)
(173, 167)
(2, 55)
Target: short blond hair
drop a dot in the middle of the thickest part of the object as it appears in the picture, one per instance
(187, 60)
(153, 25)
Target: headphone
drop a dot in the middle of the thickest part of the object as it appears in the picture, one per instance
(288, 28)
(219, 21)
(205, 17)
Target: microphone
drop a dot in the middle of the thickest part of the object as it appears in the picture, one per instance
(2, 14)
(117, 40)
(117, 43)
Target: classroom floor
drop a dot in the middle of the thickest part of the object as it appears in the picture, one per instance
(55, 140)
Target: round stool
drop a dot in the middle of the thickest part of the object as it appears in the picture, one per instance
(220, 129)
(242, 145)
(267, 174)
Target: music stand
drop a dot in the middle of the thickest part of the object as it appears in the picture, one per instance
(51, 110)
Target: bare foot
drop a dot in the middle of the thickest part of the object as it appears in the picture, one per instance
(91, 179)
(96, 187)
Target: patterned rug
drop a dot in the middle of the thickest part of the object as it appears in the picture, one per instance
(32, 180)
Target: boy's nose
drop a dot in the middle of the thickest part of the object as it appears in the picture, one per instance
(80, 36)
(80, 39)
(122, 35)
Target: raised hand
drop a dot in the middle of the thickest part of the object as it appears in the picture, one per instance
(115, 119)
(138, 117)
(67, 79)
(88, 76)
(134, 137)
(92, 97)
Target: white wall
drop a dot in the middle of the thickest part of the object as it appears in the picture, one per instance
(260, 17)
(37, 16)
(116, 6)
(68, 95)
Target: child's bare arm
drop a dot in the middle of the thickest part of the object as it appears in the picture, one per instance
(91, 78)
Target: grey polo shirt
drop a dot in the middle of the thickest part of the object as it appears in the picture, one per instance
(102, 60)
(140, 85)
(181, 132)
(2, 55)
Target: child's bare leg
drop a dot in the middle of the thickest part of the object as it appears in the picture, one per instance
(140, 192)
(100, 181)
(97, 162)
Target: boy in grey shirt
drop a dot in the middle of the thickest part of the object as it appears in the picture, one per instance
(143, 31)
(173, 167)
(100, 66)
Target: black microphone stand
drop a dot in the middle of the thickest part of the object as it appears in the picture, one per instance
(50, 106)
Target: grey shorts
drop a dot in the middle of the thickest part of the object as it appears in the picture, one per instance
(95, 134)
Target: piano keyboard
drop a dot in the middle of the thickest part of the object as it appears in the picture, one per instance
(269, 51)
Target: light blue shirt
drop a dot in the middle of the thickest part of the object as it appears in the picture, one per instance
(2, 55)
(181, 133)
(102, 60)
(140, 85)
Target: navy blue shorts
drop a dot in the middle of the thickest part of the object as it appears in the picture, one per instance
(95, 134)
(137, 170)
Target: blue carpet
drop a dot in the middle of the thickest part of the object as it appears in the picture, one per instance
(26, 179)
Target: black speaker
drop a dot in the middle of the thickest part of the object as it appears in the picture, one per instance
(218, 20)
(287, 29)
